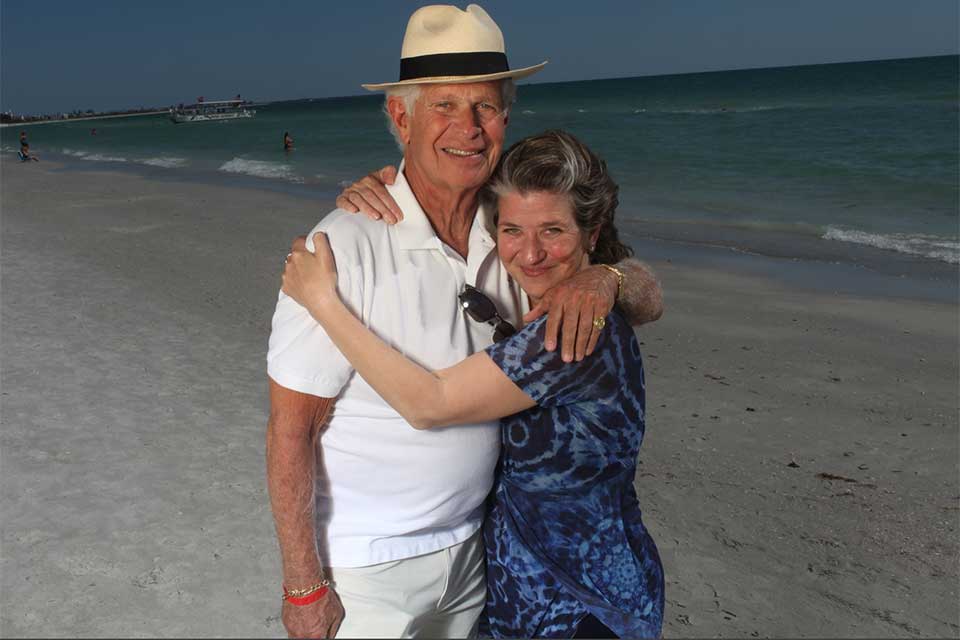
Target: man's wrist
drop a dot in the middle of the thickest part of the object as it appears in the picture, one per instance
(615, 273)
(304, 596)
(303, 577)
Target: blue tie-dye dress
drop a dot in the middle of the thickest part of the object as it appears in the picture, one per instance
(564, 535)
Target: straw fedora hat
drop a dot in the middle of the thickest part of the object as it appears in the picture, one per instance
(444, 44)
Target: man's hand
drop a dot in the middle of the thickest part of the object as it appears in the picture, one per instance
(369, 196)
(318, 620)
(298, 244)
(572, 306)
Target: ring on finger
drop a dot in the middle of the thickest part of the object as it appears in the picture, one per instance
(599, 323)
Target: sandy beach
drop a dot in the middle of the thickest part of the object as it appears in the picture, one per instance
(799, 474)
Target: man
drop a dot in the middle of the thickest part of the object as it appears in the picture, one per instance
(388, 514)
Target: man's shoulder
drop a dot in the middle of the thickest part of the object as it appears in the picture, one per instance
(351, 224)
(345, 229)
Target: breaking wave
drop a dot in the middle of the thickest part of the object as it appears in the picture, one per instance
(935, 247)
(99, 157)
(261, 169)
(165, 162)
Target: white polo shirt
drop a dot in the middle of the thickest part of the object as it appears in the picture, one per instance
(385, 490)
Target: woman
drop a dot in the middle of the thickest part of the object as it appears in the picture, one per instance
(567, 552)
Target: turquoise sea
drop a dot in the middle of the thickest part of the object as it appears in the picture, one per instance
(853, 154)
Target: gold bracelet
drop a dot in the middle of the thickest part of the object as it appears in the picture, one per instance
(299, 593)
(619, 278)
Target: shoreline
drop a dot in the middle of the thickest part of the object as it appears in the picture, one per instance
(784, 254)
(799, 470)
(66, 120)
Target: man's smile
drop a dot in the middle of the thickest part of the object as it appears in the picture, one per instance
(462, 153)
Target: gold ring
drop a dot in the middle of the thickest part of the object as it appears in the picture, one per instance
(599, 323)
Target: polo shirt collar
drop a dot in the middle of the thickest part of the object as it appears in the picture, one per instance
(483, 230)
(415, 231)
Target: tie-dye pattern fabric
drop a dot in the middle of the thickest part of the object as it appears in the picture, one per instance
(564, 534)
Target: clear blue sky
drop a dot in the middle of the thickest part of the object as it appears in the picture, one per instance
(58, 55)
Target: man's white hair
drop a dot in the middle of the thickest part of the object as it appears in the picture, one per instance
(411, 92)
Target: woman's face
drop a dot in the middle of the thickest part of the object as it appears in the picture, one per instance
(539, 241)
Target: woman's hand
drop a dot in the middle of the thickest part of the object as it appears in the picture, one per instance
(311, 278)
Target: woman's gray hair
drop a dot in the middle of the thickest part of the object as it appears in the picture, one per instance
(556, 162)
(409, 93)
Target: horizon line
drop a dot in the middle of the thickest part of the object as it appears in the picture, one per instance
(552, 82)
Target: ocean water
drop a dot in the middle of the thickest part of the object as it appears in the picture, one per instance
(854, 154)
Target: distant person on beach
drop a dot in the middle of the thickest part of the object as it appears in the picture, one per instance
(390, 515)
(24, 153)
(287, 141)
(567, 552)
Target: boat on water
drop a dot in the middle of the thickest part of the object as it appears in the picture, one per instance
(207, 110)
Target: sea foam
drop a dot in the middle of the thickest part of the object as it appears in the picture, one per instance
(915, 244)
(261, 169)
(99, 157)
(166, 162)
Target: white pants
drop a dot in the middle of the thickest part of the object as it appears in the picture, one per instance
(437, 595)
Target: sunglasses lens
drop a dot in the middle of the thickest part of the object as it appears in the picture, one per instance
(481, 309)
(477, 305)
(504, 330)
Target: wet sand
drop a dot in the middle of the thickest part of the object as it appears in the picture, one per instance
(800, 472)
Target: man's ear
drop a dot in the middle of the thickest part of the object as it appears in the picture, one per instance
(401, 119)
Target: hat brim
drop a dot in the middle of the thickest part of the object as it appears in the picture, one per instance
(513, 73)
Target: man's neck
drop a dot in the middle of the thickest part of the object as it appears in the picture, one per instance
(451, 213)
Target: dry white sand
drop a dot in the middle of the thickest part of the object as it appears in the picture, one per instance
(800, 473)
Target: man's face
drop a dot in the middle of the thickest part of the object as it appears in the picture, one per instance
(455, 135)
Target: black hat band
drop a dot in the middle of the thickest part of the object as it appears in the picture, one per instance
(453, 64)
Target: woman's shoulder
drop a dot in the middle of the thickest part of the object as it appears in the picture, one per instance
(619, 324)
(545, 377)
(616, 330)
(528, 340)
(619, 334)
(527, 346)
